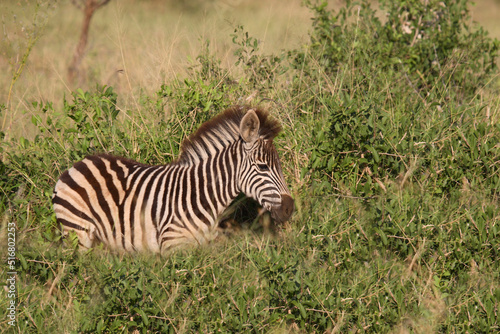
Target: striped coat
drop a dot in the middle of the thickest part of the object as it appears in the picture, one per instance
(135, 207)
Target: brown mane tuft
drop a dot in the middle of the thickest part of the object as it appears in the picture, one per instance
(226, 125)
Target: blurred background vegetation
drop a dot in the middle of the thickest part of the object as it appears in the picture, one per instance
(135, 46)
(390, 146)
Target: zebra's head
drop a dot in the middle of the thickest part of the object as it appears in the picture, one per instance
(261, 176)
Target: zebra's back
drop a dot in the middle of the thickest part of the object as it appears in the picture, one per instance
(109, 198)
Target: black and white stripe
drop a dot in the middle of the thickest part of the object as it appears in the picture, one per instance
(134, 207)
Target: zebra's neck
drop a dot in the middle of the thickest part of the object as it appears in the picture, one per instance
(212, 138)
(213, 180)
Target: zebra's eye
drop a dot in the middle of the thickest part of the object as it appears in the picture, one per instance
(263, 167)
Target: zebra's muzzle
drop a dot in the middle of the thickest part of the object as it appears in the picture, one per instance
(283, 212)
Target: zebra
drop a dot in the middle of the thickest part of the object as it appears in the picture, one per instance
(133, 207)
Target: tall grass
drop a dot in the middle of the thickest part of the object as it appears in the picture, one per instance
(133, 47)
(394, 164)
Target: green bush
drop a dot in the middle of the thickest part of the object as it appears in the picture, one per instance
(431, 43)
(390, 145)
(405, 107)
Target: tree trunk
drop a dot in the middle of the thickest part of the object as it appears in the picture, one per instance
(74, 68)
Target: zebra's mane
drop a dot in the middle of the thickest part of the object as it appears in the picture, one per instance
(223, 130)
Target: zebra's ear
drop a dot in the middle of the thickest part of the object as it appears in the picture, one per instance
(249, 126)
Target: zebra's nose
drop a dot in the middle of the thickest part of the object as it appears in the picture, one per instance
(285, 211)
(287, 205)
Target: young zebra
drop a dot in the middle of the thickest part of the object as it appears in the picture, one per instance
(134, 207)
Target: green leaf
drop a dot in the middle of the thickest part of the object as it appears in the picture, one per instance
(301, 308)
(143, 315)
(382, 236)
(331, 161)
(24, 264)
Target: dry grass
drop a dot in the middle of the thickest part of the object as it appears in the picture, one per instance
(136, 46)
(133, 46)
